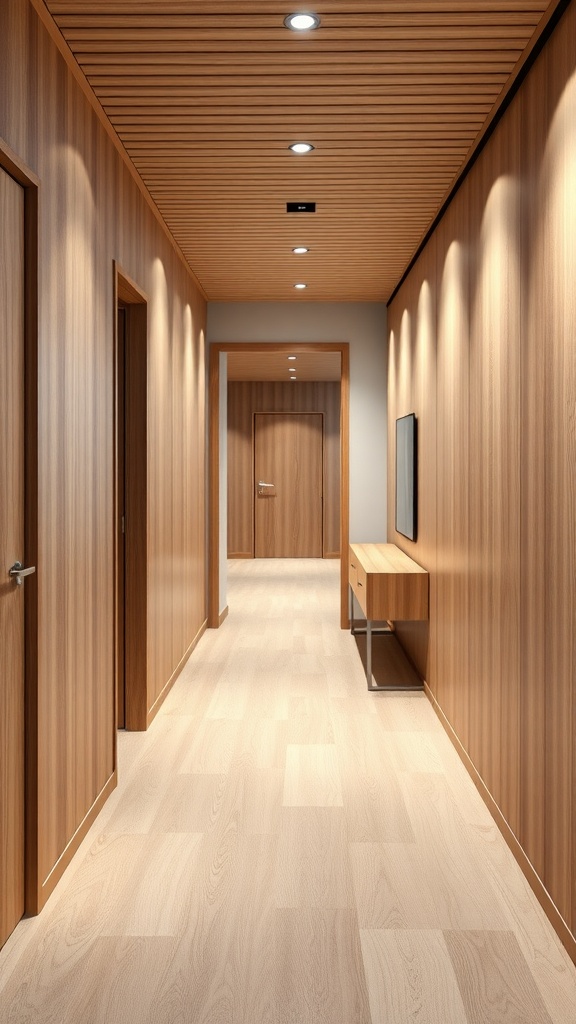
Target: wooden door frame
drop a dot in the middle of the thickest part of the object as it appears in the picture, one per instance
(214, 460)
(127, 294)
(30, 183)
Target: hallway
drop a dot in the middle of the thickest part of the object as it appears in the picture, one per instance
(286, 848)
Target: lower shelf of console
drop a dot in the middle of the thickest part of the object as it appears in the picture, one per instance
(391, 669)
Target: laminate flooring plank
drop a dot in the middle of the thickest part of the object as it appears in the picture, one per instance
(494, 979)
(312, 778)
(406, 713)
(410, 977)
(362, 744)
(411, 886)
(111, 981)
(320, 972)
(313, 868)
(261, 744)
(374, 809)
(211, 747)
(192, 803)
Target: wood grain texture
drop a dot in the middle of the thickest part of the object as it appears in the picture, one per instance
(92, 212)
(388, 584)
(245, 399)
(409, 977)
(198, 895)
(502, 656)
(288, 453)
(12, 519)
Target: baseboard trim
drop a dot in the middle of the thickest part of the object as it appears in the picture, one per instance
(49, 884)
(223, 615)
(153, 711)
(239, 554)
(544, 898)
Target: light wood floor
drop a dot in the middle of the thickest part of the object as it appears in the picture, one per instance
(286, 848)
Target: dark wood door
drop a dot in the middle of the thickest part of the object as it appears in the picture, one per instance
(121, 516)
(11, 551)
(288, 482)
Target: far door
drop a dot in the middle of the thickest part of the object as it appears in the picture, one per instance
(11, 551)
(288, 475)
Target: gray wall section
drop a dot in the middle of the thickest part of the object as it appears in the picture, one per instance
(363, 326)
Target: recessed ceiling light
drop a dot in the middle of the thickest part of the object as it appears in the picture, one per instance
(302, 22)
(300, 250)
(301, 147)
(291, 357)
(300, 285)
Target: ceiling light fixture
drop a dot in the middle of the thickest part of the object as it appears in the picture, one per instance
(300, 250)
(300, 285)
(301, 147)
(302, 22)
(291, 357)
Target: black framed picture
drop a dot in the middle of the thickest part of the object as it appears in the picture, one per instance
(406, 476)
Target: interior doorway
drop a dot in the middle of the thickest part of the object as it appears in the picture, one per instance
(12, 595)
(217, 551)
(130, 506)
(18, 541)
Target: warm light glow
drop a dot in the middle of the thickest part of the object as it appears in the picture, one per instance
(291, 357)
(302, 22)
(300, 250)
(300, 286)
(301, 147)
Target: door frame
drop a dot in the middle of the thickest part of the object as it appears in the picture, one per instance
(30, 183)
(126, 293)
(214, 460)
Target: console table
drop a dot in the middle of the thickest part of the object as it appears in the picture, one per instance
(389, 586)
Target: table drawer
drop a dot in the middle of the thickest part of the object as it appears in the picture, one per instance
(358, 582)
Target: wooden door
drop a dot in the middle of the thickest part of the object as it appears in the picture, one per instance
(11, 550)
(121, 515)
(288, 481)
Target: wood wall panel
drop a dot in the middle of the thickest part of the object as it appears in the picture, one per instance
(92, 212)
(246, 398)
(502, 548)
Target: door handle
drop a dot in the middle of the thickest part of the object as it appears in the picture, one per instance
(17, 572)
(262, 484)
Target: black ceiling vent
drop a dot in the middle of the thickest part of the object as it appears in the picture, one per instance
(300, 207)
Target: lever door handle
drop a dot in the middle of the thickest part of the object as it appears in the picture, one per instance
(18, 571)
(261, 483)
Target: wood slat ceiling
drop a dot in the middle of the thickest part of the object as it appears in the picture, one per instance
(206, 98)
(275, 366)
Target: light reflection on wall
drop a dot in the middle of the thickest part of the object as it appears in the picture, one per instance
(403, 381)
(453, 317)
(425, 345)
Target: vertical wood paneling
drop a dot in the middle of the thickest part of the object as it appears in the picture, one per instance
(503, 591)
(416, 392)
(92, 212)
(533, 568)
(453, 621)
(246, 398)
(558, 183)
(494, 466)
